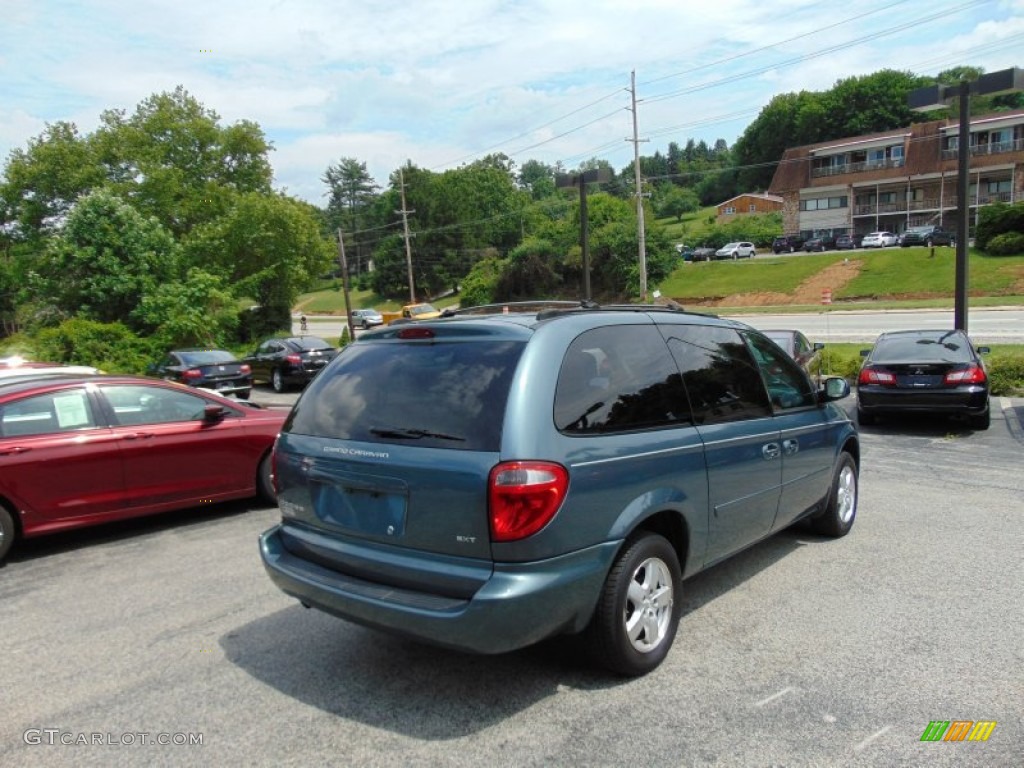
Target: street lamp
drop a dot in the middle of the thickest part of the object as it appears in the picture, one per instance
(936, 97)
(581, 180)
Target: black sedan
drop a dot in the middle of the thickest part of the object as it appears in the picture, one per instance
(820, 244)
(925, 371)
(288, 362)
(797, 346)
(215, 369)
(703, 253)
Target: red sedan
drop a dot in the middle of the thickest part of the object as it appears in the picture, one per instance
(80, 450)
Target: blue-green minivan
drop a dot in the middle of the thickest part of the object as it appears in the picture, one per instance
(500, 475)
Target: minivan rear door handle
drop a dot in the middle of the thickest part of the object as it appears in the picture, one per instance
(771, 451)
(790, 446)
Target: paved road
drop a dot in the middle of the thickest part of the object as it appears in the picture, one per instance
(800, 652)
(986, 326)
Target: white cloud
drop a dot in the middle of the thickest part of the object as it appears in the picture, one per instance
(440, 82)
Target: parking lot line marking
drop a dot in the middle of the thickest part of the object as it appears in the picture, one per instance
(774, 696)
(870, 739)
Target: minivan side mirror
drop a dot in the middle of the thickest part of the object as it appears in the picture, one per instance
(833, 388)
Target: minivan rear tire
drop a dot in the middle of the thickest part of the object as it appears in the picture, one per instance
(637, 614)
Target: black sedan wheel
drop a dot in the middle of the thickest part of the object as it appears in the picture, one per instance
(277, 380)
(636, 617)
(265, 480)
(975, 422)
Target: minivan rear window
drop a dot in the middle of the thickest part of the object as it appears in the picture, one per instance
(448, 394)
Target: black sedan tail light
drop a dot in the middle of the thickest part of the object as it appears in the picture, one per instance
(875, 376)
(972, 374)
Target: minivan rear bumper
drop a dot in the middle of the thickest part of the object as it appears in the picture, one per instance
(521, 604)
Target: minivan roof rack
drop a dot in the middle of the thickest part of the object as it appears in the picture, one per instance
(516, 306)
(548, 308)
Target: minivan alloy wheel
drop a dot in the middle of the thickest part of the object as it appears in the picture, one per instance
(635, 621)
(648, 605)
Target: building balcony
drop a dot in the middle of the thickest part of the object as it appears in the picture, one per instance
(948, 203)
(994, 148)
(869, 165)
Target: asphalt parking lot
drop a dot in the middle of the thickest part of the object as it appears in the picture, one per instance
(802, 651)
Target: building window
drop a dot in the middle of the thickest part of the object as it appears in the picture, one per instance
(729, 210)
(753, 208)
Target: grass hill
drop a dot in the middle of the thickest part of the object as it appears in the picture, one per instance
(886, 279)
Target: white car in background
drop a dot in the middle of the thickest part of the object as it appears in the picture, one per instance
(735, 251)
(879, 240)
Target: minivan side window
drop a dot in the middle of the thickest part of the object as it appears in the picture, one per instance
(788, 386)
(723, 382)
(619, 378)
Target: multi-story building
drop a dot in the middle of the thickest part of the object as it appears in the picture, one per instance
(899, 179)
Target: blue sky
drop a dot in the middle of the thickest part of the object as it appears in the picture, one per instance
(442, 82)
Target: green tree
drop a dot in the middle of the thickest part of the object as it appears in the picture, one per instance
(199, 310)
(675, 201)
(174, 161)
(106, 258)
(42, 183)
(351, 192)
(268, 247)
(538, 179)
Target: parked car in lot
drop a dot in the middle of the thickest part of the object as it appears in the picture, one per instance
(848, 242)
(928, 236)
(820, 243)
(43, 369)
(796, 345)
(787, 244)
(685, 251)
(80, 450)
(703, 253)
(736, 251)
(289, 362)
(879, 240)
(214, 369)
(484, 481)
(927, 371)
(366, 318)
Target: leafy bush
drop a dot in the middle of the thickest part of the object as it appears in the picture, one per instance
(478, 287)
(996, 219)
(109, 346)
(840, 363)
(1006, 244)
(1006, 373)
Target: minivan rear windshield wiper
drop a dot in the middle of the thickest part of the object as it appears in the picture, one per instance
(412, 434)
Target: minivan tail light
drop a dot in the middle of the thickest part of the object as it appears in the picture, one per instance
(416, 333)
(874, 376)
(524, 496)
(972, 374)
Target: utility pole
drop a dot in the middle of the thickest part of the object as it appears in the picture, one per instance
(641, 237)
(405, 227)
(344, 284)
